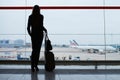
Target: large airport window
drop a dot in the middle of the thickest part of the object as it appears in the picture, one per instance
(88, 33)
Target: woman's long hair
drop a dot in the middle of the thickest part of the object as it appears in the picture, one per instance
(36, 10)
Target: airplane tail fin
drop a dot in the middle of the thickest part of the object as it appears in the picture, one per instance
(73, 43)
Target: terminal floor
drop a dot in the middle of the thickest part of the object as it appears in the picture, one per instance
(23, 72)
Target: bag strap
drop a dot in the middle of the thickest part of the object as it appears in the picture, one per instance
(46, 36)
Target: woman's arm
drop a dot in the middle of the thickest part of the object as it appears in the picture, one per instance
(44, 29)
(28, 27)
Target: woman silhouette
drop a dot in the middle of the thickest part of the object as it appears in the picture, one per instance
(35, 30)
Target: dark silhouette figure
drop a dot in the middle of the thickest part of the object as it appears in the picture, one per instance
(35, 30)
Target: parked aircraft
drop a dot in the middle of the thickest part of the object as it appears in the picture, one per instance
(92, 48)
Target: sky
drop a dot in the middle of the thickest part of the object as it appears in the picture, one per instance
(86, 23)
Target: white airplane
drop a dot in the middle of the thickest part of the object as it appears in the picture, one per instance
(92, 48)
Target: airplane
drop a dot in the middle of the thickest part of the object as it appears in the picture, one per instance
(93, 48)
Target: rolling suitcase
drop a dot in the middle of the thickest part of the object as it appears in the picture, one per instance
(49, 56)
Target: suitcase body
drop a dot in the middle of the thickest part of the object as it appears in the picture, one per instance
(49, 56)
(49, 61)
